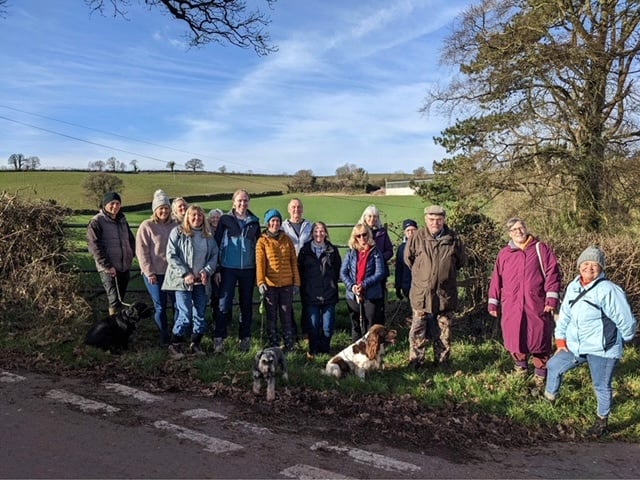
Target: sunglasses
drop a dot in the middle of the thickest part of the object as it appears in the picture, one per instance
(361, 235)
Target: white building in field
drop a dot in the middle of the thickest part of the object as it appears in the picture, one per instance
(401, 187)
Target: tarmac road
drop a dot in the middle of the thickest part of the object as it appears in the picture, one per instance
(52, 427)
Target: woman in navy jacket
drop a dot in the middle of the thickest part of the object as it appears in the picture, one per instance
(362, 273)
(319, 265)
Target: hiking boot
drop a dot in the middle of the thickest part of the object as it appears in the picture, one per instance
(599, 428)
(195, 349)
(539, 381)
(245, 344)
(175, 351)
(218, 345)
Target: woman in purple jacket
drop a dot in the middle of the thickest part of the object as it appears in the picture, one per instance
(525, 291)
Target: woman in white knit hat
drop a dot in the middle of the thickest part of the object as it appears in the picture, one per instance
(151, 250)
(595, 321)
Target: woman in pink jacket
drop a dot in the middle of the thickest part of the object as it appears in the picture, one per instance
(525, 291)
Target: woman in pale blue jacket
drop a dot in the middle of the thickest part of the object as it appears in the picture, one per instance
(192, 257)
(594, 322)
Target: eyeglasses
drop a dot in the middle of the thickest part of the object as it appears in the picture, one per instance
(517, 229)
(361, 235)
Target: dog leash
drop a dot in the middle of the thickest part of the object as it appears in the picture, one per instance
(118, 292)
(261, 311)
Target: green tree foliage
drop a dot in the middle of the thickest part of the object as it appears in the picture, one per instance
(302, 181)
(547, 102)
(350, 177)
(96, 185)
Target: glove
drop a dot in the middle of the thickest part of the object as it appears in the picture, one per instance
(399, 293)
(262, 288)
(296, 290)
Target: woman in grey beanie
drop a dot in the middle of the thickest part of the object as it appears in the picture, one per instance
(595, 321)
(151, 249)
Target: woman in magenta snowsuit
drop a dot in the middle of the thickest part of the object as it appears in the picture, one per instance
(525, 291)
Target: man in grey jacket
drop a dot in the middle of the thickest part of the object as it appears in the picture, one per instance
(299, 230)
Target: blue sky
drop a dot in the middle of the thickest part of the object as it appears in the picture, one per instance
(345, 86)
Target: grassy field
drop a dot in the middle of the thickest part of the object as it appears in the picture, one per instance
(66, 187)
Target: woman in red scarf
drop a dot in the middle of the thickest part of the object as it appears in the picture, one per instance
(362, 272)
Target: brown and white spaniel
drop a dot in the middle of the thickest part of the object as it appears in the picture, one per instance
(362, 356)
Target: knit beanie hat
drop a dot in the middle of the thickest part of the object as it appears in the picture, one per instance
(592, 254)
(110, 197)
(159, 199)
(409, 223)
(269, 214)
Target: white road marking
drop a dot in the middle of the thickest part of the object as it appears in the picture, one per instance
(203, 413)
(198, 413)
(139, 395)
(85, 404)
(369, 458)
(211, 444)
(8, 377)
(307, 472)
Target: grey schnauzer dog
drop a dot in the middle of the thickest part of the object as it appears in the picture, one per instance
(268, 362)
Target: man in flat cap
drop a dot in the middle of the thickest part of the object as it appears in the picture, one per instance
(434, 254)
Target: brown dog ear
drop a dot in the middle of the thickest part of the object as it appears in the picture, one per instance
(373, 344)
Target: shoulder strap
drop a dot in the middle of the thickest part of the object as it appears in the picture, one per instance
(584, 292)
(544, 274)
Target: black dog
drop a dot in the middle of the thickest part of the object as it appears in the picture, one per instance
(113, 332)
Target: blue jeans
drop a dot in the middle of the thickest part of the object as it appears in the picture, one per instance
(191, 306)
(601, 369)
(246, 280)
(321, 321)
(159, 298)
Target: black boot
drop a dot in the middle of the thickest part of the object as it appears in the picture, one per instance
(599, 428)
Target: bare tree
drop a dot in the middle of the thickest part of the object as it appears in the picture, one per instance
(16, 160)
(546, 100)
(222, 169)
(420, 172)
(97, 165)
(31, 163)
(219, 21)
(194, 164)
(134, 165)
(112, 164)
(171, 166)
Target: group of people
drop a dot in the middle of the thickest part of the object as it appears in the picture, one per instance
(195, 260)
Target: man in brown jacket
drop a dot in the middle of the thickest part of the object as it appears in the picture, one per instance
(434, 254)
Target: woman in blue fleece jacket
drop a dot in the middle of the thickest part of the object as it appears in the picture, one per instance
(594, 322)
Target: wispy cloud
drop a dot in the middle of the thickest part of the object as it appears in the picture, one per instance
(345, 86)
